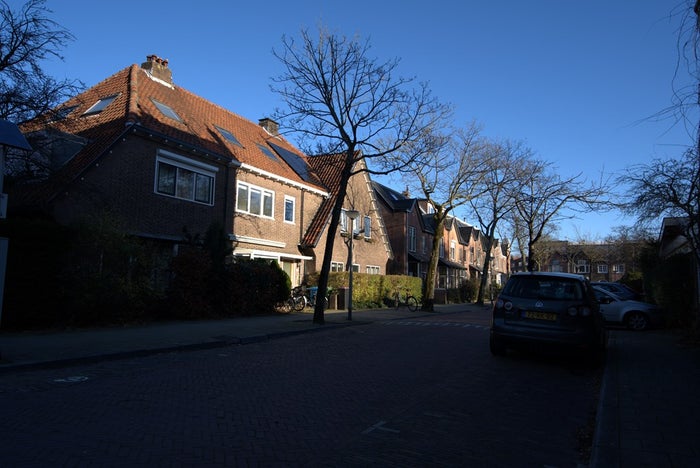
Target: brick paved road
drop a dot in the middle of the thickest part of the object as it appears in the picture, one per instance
(401, 393)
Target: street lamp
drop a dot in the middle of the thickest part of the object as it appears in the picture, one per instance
(352, 215)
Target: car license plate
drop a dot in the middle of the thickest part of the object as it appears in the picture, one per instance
(540, 315)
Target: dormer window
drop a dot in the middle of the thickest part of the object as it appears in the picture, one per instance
(229, 136)
(166, 110)
(100, 105)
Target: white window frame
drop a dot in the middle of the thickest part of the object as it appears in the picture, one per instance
(368, 227)
(372, 269)
(411, 239)
(453, 249)
(602, 268)
(582, 266)
(343, 221)
(292, 200)
(618, 268)
(101, 105)
(201, 171)
(264, 194)
(337, 266)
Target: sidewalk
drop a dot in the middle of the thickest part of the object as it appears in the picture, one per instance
(56, 349)
(649, 408)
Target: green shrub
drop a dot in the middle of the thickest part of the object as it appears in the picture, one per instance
(189, 295)
(255, 286)
(83, 275)
(372, 291)
(35, 287)
(673, 290)
(468, 291)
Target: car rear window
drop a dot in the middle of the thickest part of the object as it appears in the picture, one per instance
(532, 287)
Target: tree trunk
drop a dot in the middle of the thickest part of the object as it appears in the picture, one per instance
(485, 270)
(319, 317)
(531, 264)
(429, 296)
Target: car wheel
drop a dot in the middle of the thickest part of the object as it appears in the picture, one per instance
(497, 347)
(637, 321)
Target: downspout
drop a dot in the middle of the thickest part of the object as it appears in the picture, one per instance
(405, 250)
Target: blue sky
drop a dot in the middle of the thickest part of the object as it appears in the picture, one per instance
(576, 81)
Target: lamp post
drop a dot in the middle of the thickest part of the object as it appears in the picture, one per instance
(352, 215)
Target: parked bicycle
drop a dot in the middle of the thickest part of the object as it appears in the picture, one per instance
(296, 301)
(299, 299)
(312, 294)
(406, 299)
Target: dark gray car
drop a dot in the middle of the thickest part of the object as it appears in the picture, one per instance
(557, 309)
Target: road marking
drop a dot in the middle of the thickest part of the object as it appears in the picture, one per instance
(380, 427)
(417, 323)
(73, 379)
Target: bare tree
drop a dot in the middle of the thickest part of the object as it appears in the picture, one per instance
(28, 37)
(341, 101)
(503, 164)
(446, 170)
(544, 196)
(667, 187)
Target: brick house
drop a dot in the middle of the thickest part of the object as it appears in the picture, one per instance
(411, 231)
(598, 262)
(164, 161)
(452, 264)
(371, 247)
(409, 236)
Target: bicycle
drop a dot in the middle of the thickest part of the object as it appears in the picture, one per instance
(311, 298)
(296, 301)
(407, 300)
(299, 299)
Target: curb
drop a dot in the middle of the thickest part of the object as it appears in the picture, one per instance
(605, 450)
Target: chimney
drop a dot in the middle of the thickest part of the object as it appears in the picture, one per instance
(270, 126)
(158, 68)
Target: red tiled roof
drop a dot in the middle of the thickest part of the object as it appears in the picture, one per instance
(328, 167)
(136, 90)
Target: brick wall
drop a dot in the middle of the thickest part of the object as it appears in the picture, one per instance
(123, 182)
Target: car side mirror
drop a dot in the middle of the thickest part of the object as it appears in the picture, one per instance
(605, 300)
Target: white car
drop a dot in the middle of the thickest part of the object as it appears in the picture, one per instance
(635, 315)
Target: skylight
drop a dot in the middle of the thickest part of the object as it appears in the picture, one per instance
(267, 152)
(229, 136)
(166, 110)
(62, 113)
(100, 105)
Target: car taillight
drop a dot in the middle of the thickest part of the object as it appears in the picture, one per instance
(501, 304)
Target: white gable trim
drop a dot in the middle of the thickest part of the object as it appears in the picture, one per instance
(253, 253)
(257, 241)
(283, 180)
